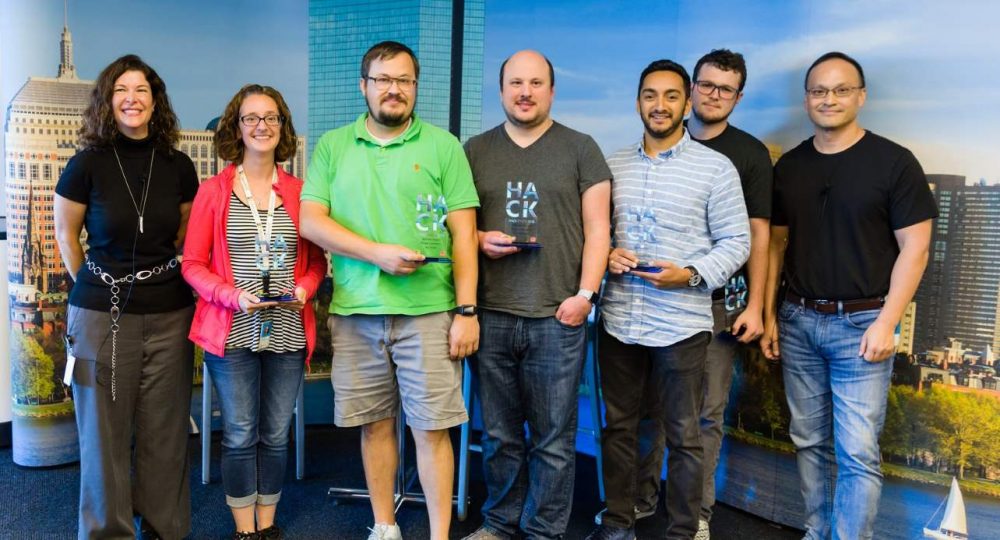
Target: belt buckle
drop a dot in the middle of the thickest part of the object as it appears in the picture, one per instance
(821, 306)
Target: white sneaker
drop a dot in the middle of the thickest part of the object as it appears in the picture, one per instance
(381, 531)
(703, 532)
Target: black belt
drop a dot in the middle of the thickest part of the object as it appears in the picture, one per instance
(836, 306)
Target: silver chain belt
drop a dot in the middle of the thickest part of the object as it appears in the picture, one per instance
(116, 311)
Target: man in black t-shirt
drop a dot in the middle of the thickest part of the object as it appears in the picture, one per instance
(855, 210)
(737, 308)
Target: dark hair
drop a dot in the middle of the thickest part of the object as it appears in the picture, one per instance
(386, 50)
(725, 60)
(552, 71)
(835, 55)
(228, 138)
(99, 127)
(666, 65)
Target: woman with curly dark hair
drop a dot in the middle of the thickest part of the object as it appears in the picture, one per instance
(254, 274)
(129, 310)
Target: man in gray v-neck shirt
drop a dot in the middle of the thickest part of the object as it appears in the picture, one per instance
(544, 240)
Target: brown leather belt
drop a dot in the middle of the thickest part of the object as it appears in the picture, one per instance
(836, 306)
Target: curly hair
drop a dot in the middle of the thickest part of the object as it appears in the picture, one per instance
(99, 126)
(725, 60)
(228, 138)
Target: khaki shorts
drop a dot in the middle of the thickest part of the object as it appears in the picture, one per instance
(378, 359)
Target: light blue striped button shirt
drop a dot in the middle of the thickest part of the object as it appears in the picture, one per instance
(684, 206)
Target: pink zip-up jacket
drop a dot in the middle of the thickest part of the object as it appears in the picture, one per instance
(207, 268)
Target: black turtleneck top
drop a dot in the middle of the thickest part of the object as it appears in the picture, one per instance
(92, 177)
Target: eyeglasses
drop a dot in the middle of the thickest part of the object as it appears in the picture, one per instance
(840, 91)
(707, 88)
(252, 120)
(385, 83)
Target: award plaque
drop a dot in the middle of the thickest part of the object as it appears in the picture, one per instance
(432, 228)
(522, 219)
(640, 237)
(270, 257)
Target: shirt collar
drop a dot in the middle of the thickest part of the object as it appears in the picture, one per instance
(673, 151)
(361, 131)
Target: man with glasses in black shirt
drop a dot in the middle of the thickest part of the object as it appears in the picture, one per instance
(854, 210)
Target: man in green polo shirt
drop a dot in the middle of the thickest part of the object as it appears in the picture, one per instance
(392, 199)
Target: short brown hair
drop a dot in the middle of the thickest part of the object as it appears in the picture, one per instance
(228, 139)
(99, 126)
(387, 50)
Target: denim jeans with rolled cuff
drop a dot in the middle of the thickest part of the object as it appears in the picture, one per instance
(256, 392)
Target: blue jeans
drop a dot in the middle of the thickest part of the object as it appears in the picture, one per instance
(257, 392)
(838, 401)
(528, 370)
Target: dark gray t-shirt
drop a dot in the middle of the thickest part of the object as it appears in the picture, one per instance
(542, 183)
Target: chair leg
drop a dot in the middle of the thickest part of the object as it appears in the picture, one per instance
(206, 424)
(591, 374)
(463, 450)
(300, 431)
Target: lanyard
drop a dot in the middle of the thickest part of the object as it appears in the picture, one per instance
(263, 231)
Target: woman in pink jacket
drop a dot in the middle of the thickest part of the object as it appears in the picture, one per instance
(254, 275)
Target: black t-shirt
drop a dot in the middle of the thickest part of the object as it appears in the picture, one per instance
(753, 163)
(92, 177)
(841, 211)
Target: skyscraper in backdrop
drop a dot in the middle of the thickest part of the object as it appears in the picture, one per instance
(959, 292)
(446, 35)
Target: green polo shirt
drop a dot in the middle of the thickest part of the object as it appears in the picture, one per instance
(398, 192)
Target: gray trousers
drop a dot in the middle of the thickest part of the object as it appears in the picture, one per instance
(133, 451)
(722, 352)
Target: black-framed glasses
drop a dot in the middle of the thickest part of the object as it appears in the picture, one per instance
(384, 83)
(840, 91)
(706, 88)
(253, 120)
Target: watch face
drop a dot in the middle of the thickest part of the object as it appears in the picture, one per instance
(695, 278)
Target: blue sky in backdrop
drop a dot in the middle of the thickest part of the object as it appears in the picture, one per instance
(205, 50)
(928, 66)
(930, 84)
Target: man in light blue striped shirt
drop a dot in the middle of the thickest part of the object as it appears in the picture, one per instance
(680, 230)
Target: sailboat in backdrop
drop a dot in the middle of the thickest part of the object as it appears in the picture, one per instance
(953, 523)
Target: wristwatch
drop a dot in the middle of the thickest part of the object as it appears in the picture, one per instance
(695, 278)
(587, 294)
(466, 310)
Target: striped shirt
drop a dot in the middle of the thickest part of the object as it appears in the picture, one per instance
(684, 206)
(287, 333)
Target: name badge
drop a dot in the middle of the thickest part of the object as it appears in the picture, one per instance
(265, 335)
(70, 363)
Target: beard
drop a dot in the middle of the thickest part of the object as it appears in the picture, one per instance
(662, 133)
(389, 119)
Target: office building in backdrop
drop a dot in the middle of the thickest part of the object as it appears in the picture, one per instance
(41, 135)
(957, 299)
(446, 35)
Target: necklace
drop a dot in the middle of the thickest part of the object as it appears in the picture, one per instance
(140, 210)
